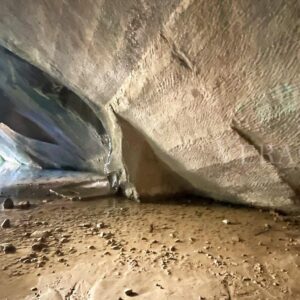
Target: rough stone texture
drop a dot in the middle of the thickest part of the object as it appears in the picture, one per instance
(206, 84)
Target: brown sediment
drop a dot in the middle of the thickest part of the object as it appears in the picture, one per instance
(99, 250)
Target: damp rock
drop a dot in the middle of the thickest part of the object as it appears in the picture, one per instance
(8, 204)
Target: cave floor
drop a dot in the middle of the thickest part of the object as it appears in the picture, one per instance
(171, 250)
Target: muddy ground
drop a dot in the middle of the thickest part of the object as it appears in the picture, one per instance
(173, 250)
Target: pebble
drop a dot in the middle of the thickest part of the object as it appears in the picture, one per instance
(23, 205)
(116, 247)
(8, 204)
(38, 247)
(5, 224)
(91, 247)
(8, 248)
(225, 221)
(236, 238)
(40, 234)
(130, 293)
(61, 260)
(85, 225)
(63, 240)
(100, 225)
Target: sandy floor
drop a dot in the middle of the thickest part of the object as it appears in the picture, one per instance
(98, 249)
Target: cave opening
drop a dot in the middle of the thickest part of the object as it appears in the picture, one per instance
(46, 130)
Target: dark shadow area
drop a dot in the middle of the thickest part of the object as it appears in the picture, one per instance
(43, 123)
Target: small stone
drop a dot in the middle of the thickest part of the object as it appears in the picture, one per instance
(40, 234)
(23, 205)
(116, 247)
(268, 226)
(100, 225)
(130, 293)
(85, 225)
(38, 247)
(154, 242)
(173, 248)
(8, 204)
(59, 252)
(63, 241)
(236, 238)
(34, 289)
(91, 247)
(8, 248)
(225, 221)
(5, 224)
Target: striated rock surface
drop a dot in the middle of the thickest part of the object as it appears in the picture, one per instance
(197, 96)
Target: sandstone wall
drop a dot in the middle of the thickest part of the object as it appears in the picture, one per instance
(208, 86)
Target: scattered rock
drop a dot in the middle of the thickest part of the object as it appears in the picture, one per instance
(38, 247)
(63, 241)
(160, 286)
(116, 247)
(151, 228)
(34, 289)
(85, 225)
(236, 238)
(8, 204)
(40, 234)
(130, 293)
(91, 247)
(23, 205)
(59, 252)
(5, 224)
(8, 248)
(61, 260)
(106, 235)
(225, 221)
(100, 225)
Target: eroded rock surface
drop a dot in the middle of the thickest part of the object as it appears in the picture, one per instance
(210, 86)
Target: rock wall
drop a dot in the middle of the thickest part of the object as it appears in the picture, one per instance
(43, 124)
(211, 87)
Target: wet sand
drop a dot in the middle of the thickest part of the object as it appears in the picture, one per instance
(171, 250)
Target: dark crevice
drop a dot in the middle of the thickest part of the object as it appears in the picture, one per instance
(263, 151)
